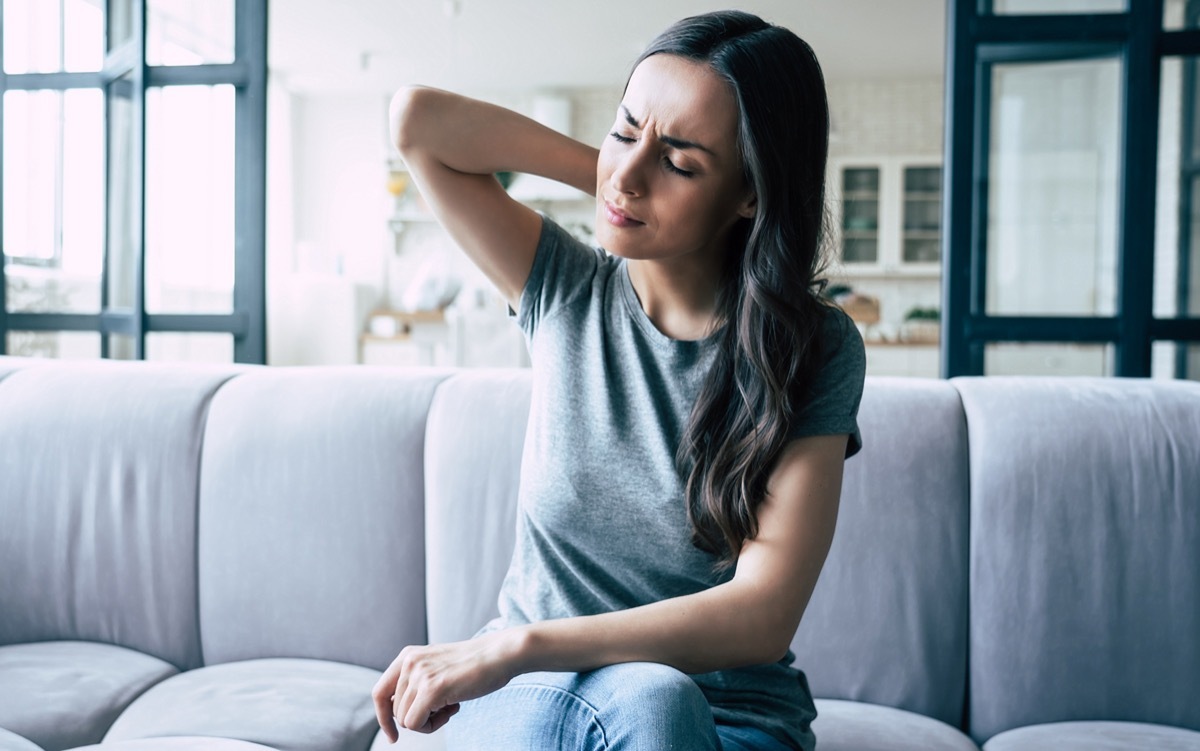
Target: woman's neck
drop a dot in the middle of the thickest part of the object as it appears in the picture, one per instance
(679, 298)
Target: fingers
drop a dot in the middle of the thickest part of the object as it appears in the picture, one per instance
(382, 695)
(442, 716)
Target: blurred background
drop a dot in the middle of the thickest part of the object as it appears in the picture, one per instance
(211, 180)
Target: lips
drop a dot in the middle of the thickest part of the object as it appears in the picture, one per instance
(618, 218)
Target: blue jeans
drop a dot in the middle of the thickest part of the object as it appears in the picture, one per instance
(629, 707)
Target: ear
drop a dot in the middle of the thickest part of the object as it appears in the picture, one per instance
(749, 206)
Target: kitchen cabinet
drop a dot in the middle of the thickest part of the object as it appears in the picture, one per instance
(887, 215)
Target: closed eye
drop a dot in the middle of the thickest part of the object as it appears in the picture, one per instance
(672, 168)
(620, 138)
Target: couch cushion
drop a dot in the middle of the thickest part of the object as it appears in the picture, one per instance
(473, 450)
(1085, 591)
(856, 726)
(191, 743)
(1095, 736)
(65, 694)
(311, 519)
(10, 365)
(887, 623)
(292, 705)
(99, 464)
(12, 742)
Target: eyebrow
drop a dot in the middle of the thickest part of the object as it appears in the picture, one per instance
(678, 143)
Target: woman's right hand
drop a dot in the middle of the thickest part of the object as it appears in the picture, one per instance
(424, 686)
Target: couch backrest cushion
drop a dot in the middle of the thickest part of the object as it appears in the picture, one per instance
(311, 516)
(99, 466)
(473, 451)
(1085, 532)
(887, 623)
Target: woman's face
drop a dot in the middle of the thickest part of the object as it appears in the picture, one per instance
(669, 182)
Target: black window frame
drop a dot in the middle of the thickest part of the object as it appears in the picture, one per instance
(978, 39)
(248, 75)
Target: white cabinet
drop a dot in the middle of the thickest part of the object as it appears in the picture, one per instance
(887, 215)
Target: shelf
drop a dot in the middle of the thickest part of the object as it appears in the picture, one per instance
(400, 221)
(929, 271)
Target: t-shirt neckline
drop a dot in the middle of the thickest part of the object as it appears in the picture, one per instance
(643, 321)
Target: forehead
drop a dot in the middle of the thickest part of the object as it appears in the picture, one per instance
(683, 98)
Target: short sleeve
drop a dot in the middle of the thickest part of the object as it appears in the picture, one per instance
(563, 269)
(837, 386)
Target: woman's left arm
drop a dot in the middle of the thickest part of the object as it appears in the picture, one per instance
(748, 620)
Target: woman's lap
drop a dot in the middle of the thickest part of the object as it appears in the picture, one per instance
(628, 707)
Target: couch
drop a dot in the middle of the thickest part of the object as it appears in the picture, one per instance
(225, 557)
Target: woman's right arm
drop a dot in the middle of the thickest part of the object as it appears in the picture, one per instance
(453, 145)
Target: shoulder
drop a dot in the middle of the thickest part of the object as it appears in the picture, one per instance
(838, 341)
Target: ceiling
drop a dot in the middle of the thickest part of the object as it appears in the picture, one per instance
(373, 46)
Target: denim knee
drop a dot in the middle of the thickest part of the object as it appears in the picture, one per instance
(627, 707)
(651, 706)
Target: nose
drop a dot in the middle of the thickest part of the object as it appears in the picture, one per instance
(629, 175)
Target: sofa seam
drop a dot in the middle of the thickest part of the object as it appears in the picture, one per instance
(204, 412)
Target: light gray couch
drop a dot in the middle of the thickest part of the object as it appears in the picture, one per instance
(236, 552)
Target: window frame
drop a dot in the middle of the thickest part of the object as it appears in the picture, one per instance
(248, 75)
(977, 39)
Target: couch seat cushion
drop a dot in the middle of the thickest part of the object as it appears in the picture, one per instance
(856, 726)
(13, 742)
(288, 704)
(63, 694)
(1095, 736)
(181, 743)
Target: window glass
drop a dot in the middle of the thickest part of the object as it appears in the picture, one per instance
(922, 214)
(53, 200)
(1175, 360)
(189, 32)
(190, 199)
(1035, 7)
(1181, 14)
(179, 347)
(62, 345)
(1052, 190)
(48, 36)
(1177, 224)
(1066, 359)
(860, 215)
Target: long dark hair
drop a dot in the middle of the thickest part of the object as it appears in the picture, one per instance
(769, 303)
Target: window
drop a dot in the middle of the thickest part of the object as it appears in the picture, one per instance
(133, 179)
(1072, 171)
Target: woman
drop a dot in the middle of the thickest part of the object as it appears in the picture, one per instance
(694, 402)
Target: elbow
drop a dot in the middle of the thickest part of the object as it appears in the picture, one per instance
(774, 639)
(408, 109)
(773, 650)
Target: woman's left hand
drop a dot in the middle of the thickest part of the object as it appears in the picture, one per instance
(422, 688)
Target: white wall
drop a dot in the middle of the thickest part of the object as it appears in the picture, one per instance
(886, 118)
(327, 223)
(340, 153)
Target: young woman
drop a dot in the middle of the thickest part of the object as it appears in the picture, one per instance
(693, 404)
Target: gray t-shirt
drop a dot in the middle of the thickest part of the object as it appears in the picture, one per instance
(602, 524)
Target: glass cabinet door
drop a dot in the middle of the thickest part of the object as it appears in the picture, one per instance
(860, 215)
(922, 231)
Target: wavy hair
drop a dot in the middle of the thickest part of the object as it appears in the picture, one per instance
(769, 303)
